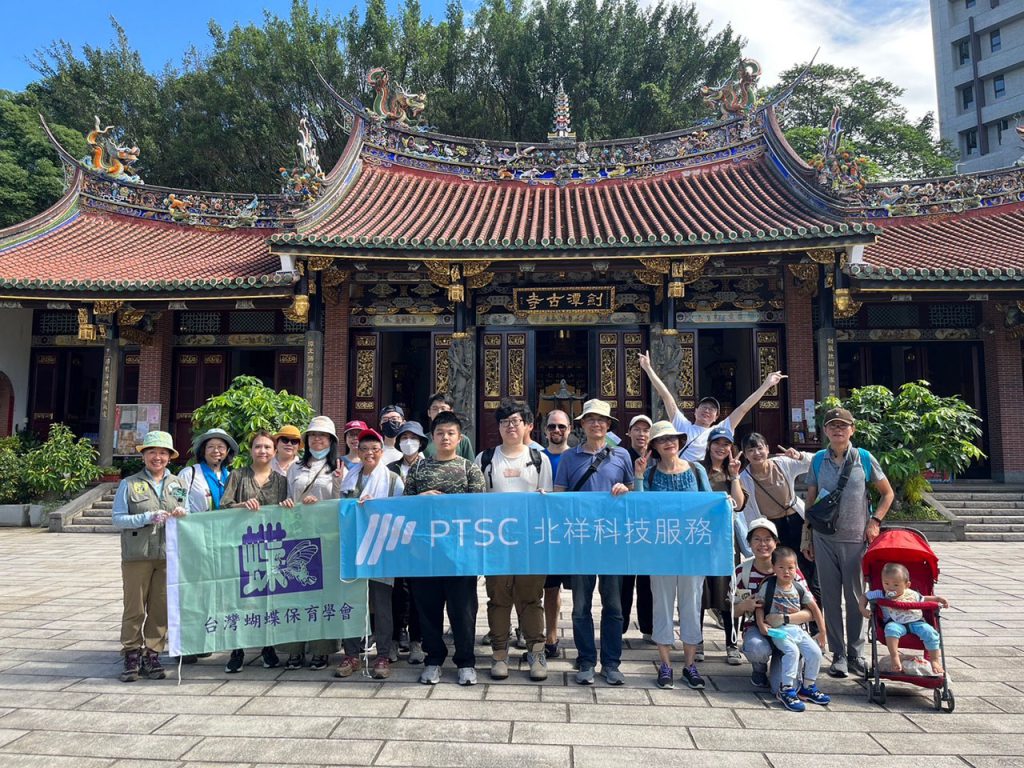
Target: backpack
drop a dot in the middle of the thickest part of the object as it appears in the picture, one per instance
(769, 590)
(865, 462)
(488, 456)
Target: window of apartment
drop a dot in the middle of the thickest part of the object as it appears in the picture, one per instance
(968, 3)
(970, 141)
(999, 86)
(1002, 126)
(963, 52)
(967, 97)
(995, 40)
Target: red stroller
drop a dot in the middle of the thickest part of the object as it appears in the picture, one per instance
(909, 548)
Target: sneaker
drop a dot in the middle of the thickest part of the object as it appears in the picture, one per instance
(858, 667)
(393, 654)
(692, 677)
(585, 676)
(551, 650)
(151, 667)
(499, 669)
(467, 676)
(416, 654)
(838, 668)
(789, 699)
(270, 659)
(813, 695)
(235, 662)
(665, 676)
(648, 638)
(520, 640)
(759, 679)
(538, 664)
(431, 675)
(295, 661)
(486, 639)
(699, 655)
(716, 618)
(318, 663)
(132, 663)
(612, 676)
(381, 669)
(349, 664)
(732, 656)
(403, 641)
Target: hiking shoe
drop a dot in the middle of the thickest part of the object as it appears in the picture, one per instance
(235, 662)
(295, 661)
(132, 663)
(467, 676)
(732, 656)
(699, 655)
(520, 640)
(486, 639)
(393, 653)
(692, 677)
(538, 664)
(269, 655)
(789, 699)
(416, 653)
(381, 669)
(585, 676)
(648, 638)
(551, 650)
(612, 675)
(318, 663)
(813, 695)
(665, 676)
(431, 675)
(838, 668)
(858, 667)
(499, 669)
(759, 679)
(151, 667)
(403, 641)
(349, 664)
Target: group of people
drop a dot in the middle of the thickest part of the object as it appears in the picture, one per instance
(783, 568)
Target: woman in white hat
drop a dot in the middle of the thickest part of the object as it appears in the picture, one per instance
(315, 477)
(673, 473)
(207, 479)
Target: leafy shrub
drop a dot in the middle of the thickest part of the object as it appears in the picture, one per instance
(247, 407)
(62, 466)
(14, 489)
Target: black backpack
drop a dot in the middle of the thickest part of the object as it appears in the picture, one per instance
(769, 592)
(488, 456)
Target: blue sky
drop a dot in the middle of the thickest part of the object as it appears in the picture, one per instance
(889, 38)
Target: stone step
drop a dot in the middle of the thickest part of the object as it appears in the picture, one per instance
(988, 536)
(103, 504)
(76, 527)
(987, 520)
(977, 496)
(994, 527)
(94, 513)
(986, 511)
(979, 504)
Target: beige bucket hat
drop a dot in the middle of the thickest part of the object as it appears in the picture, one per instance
(599, 407)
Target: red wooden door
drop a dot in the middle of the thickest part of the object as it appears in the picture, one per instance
(616, 376)
(771, 410)
(504, 357)
(198, 376)
(364, 384)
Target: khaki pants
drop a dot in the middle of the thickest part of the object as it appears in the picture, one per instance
(526, 594)
(144, 621)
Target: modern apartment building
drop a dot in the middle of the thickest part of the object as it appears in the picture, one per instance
(979, 68)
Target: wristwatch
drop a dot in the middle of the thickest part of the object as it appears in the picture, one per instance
(785, 618)
(876, 519)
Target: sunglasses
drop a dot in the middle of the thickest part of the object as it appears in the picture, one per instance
(289, 440)
(559, 427)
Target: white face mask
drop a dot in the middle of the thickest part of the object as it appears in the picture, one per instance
(409, 447)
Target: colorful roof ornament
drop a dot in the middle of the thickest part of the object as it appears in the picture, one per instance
(737, 97)
(108, 157)
(838, 170)
(392, 101)
(561, 125)
(303, 182)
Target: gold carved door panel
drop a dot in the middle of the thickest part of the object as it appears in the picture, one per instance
(619, 378)
(770, 412)
(504, 360)
(364, 386)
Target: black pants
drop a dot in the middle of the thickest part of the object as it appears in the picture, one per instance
(644, 603)
(716, 597)
(430, 596)
(403, 612)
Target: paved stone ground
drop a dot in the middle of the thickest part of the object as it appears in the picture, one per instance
(62, 705)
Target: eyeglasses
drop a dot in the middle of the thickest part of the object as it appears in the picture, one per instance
(369, 449)
(759, 540)
(559, 427)
(838, 425)
(289, 440)
(514, 423)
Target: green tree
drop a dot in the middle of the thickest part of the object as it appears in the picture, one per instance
(911, 431)
(247, 407)
(62, 466)
(875, 124)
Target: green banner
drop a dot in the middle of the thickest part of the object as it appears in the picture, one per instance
(241, 579)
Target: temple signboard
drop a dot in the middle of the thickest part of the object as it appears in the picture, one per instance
(587, 299)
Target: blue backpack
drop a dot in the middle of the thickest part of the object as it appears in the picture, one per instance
(865, 462)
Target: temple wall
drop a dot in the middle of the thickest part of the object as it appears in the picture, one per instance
(15, 355)
(1005, 382)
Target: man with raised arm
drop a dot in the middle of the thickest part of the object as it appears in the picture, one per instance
(705, 415)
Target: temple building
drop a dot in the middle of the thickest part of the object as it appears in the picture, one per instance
(424, 262)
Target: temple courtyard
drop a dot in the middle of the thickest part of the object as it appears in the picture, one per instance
(61, 703)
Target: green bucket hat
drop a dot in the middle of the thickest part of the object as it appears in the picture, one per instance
(158, 439)
(200, 440)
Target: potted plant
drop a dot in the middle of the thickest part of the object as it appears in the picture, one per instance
(109, 475)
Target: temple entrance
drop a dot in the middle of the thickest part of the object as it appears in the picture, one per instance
(562, 358)
(404, 358)
(726, 366)
(66, 385)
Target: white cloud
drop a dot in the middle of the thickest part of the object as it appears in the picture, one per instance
(883, 39)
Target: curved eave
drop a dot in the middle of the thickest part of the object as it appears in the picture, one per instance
(336, 183)
(56, 215)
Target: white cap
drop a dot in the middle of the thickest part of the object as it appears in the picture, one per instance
(641, 417)
(762, 522)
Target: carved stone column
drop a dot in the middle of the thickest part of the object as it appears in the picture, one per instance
(666, 358)
(462, 377)
(108, 395)
(825, 338)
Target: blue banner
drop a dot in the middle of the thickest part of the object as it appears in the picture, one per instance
(659, 534)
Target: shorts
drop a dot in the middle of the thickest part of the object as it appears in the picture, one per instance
(551, 582)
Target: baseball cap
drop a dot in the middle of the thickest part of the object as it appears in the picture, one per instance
(391, 409)
(709, 399)
(761, 522)
(354, 424)
(641, 417)
(838, 414)
(719, 432)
